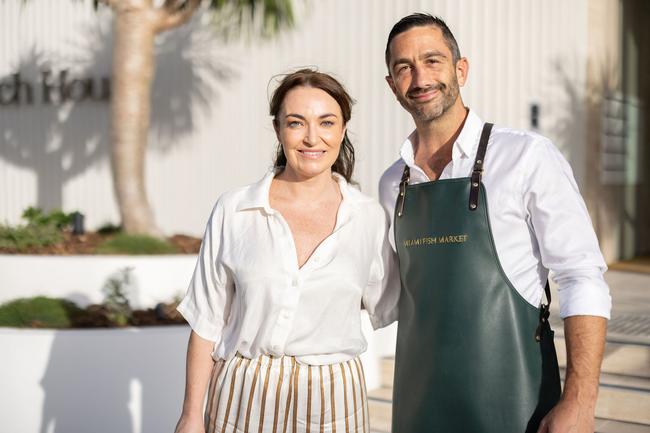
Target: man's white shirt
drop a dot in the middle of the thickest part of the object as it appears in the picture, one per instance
(539, 220)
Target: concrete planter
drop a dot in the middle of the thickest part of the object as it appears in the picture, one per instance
(81, 278)
(128, 380)
(101, 381)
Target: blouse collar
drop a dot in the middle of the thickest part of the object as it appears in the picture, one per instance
(257, 195)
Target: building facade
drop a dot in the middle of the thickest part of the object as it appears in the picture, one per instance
(575, 71)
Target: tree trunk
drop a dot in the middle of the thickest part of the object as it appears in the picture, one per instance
(133, 72)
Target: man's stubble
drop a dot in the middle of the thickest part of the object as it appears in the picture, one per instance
(432, 110)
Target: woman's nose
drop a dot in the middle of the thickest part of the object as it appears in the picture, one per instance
(311, 136)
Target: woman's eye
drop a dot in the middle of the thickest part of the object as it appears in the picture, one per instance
(293, 124)
(327, 123)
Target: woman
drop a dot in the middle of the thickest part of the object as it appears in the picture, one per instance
(285, 266)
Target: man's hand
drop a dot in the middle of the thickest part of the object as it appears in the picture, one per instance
(585, 344)
(568, 417)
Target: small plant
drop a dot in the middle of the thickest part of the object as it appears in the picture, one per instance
(22, 238)
(135, 244)
(42, 229)
(116, 298)
(57, 218)
(39, 312)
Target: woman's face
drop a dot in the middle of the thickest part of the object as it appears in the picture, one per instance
(310, 127)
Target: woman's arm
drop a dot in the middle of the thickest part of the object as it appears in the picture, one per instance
(199, 365)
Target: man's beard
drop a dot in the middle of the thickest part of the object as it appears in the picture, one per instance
(431, 110)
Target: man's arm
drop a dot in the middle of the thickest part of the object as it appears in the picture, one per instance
(569, 248)
(585, 344)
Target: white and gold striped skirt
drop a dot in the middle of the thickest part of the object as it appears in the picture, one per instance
(280, 395)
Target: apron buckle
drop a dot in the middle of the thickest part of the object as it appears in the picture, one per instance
(544, 313)
(402, 195)
(406, 176)
(475, 182)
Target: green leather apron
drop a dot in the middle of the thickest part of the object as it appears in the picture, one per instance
(472, 356)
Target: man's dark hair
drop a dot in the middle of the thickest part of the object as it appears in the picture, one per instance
(423, 20)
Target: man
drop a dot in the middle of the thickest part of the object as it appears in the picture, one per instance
(480, 216)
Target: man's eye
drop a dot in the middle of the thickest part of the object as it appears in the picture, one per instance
(403, 68)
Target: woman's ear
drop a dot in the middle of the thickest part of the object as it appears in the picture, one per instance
(276, 128)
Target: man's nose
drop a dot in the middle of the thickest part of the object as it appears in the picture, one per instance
(421, 79)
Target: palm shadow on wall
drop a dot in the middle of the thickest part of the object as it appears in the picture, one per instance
(64, 141)
(95, 379)
(58, 142)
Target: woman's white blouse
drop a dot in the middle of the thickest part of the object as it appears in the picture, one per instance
(249, 296)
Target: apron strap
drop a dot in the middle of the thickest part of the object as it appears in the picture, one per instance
(478, 166)
(406, 176)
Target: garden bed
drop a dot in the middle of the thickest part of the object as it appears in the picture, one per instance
(90, 243)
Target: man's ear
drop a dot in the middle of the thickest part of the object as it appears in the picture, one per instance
(391, 84)
(462, 70)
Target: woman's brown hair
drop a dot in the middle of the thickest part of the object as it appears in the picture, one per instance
(344, 164)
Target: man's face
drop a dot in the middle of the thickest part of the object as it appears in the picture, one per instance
(422, 74)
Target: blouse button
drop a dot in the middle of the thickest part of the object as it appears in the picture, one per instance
(294, 282)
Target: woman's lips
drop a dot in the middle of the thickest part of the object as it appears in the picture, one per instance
(312, 154)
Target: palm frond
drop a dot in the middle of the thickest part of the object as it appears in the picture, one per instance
(264, 16)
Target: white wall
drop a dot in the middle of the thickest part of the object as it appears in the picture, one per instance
(101, 381)
(81, 279)
(520, 51)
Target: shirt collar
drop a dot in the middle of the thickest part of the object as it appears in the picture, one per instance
(257, 195)
(465, 144)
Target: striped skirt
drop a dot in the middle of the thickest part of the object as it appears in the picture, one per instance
(279, 395)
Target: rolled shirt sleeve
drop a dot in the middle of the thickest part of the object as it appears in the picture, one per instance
(381, 295)
(567, 242)
(206, 305)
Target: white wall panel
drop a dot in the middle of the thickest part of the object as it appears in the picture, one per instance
(520, 51)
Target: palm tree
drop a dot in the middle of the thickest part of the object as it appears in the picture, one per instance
(136, 24)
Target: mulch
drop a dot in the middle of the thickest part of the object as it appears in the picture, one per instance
(88, 243)
(97, 316)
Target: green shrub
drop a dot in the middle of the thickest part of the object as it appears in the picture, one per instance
(135, 244)
(42, 229)
(21, 238)
(39, 312)
(57, 218)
